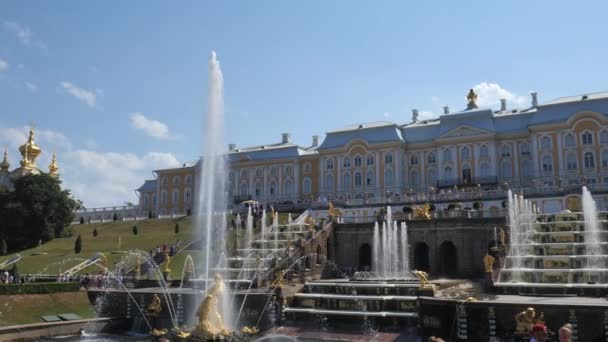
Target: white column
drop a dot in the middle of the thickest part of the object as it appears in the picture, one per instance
(377, 180)
(439, 163)
(422, 163)
(516, 160)
(321, 175)
(493, 159)
(296, 180)
(280, 187)
(535, 159)
(236, 181)
(339, 168)
(266, 189)
(251, 186)
(397, 161)
(560, 158)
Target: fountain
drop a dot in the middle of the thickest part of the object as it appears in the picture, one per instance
(562, 253)
(390, 249)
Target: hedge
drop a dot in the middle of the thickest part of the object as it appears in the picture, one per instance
(38, 288)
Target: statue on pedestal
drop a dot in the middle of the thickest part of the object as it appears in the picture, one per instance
(525, 321)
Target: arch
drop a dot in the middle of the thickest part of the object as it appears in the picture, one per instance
(346, 162)
(448, 259)
(587, 138)
(307, 168)
(164, 180)
(388, 158)
(421, 257)
(369, 160)
(365, 256)
(189, 178)
(358, 160)
(307, 185)
(545, 143)
(358, 179)
(430, 159)
(569, 140)
(243, 189)
(175, 180)
(483, 151)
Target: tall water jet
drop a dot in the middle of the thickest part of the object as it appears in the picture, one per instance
(211, 198)
(405, 257)
(390, 248)
(249, 228)
(592, 229)
(376, 248)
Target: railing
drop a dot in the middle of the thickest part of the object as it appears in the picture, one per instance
(439, 214)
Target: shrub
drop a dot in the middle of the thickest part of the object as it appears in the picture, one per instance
(95, 232)
(407, 209)
(477, 205)
(38, 288)
(78, 245)
(454, 206)
(177, 228)
(115, 218)
(81, 220)
(134, 230)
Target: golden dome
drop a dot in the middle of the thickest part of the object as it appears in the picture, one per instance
(29, 151)
(53, 168)
(4, 165)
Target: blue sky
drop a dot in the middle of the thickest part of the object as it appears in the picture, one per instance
(118, 88)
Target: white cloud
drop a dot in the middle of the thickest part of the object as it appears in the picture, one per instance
(151, 127)
(387, 115)
(489, 95)
(23, 33)
(3, 65)
(97, 178)
(31, 87)
(81, 94)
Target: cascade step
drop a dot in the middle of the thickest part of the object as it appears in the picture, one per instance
(352, 313)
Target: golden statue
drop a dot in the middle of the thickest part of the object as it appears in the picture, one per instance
(488, 262)
(423, 212)
(53, 168)
(502, 236)
(525, 321)
(472, 98)
(158, 332)
(156, 306)
(250, 331)
(209, 317)
(310, 221)
(423, 277)
(167, 262)
(138, 266)
(279, 280)
(333, 212)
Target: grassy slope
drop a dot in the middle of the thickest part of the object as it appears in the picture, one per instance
(26, 309)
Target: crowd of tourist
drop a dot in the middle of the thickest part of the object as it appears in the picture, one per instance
(158, 254)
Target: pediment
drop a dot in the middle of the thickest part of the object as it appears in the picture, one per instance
(465, 131)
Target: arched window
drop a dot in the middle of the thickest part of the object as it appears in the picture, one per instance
(273, 171)
(307, 168)
(346, 180)
(243, 189)
(447, 155)
(163, 197)
(465, 153)
(506, 169)
(175, 180)
(146, 200)
(547, 164)
(414, 159)
(153, 200)
(189, 179)
(506, 151)
(329, 182)
(605, 158)
(587, 138)
(388, 178)
(414, 178)
(288, 188)
(188, 196)
(358, 179)
(388, 158)
(307, 185)
(357, 160)
(525, 149)
(448, 172)
(569, 140)
(483, 151)
(526, 168)
(484, 170)
(604, 137)
(370, 160)
(164, 180)
(244, 174)
(431, 177)
(545, 143)
(288, 170)
(589, 160)
(571, 162)
(259, 190)
(431, 158)
(370, 180)
(346, 162)
(329, 164)
(273, 187)
(259, 172)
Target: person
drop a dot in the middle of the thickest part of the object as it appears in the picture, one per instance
(539, 333)
(565, 333)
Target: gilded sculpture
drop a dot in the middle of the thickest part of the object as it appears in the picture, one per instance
(333, 212)
(209, 317)
(525, 320)
(472, 98)
(488, 262)
(423, 212)
(310, 222)
(423, 277)
(167, 262)
(156, 306)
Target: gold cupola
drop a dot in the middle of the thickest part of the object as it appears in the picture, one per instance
(53, 168)
(4, 165)
(29, 151)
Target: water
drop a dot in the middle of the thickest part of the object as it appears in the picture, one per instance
(390, 249)
(249, 228)
(592, 229)
(211, 198)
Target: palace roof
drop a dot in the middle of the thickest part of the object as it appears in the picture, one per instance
(149, 185)
(373, 132)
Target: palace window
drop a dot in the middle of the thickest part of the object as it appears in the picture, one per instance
(388, 178)
(163, 197)
(447, 155)
(259, 189)
(448, 172)
(547, 164)
(388, 158)
(189, 178)
(465, 153)
(370, 179)
(175, 180)
(287, 187)
(358, 179)
(605, 158)
(329, 164)
(346, 181)
(329, 183)
(244, 174)
(370, 160)
(273, 171)
(545, 143)
(569, 140)
(259, 173)
(175, 198)
(589, 160)
(307, 168)
(431, 177)
(244, 189)
(506, 150)
(431, 158)
(288, 170)
(525, 149)
(307, 185)
(357, 161)
(483, 151)
(571, 162)
(484, 170)
(587, 138)
(604, 137)
(415, 179)
(526, 168)
(188, 196)
(164, 180)
(273, 187)
(346, 162)
(414, 159)
(506, 169)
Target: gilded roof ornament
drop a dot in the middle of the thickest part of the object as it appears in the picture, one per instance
(472, 97)
(53, 167)
(30, 151)
(4, 165)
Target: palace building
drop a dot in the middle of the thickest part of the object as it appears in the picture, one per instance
(557, 144)
(29, 153)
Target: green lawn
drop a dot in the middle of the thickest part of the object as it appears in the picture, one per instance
(24, 309)
(112, 238)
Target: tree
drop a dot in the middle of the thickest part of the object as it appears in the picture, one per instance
(149, 214)
(115, 218)
(36, 209)
(78, 245)
(134, 230)
(95, 232)
(177, 228)
(3, 248)
(81, 220)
